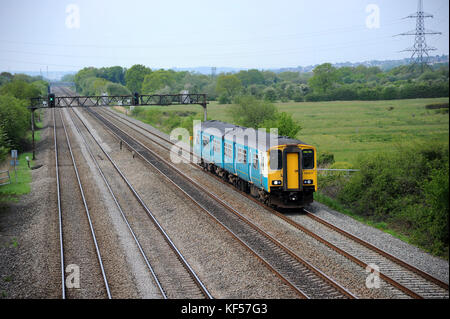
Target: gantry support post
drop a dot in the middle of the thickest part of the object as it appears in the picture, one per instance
(205, 113)
(32, 132)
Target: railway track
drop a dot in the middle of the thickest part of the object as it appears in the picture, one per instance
(188, 284)
(412, 281)
(78, 242)
(173, 276)
(301, 276)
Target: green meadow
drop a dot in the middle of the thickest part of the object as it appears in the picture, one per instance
(350, 128)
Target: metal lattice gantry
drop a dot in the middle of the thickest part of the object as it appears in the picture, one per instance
(52, 101)
(121, 100)
(420, 49)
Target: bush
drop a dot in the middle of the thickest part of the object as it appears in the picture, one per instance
(298, 97)
(325, 159)
(368, 94)
(251, 112)
(117, 89)
(436, 106)
(270, 94)
(224, 99)
(389, 93)
(344, 94)
(342, 165)
(286, 125)
(432, 230)
(4, 143)
(316, 97)
(407, 188)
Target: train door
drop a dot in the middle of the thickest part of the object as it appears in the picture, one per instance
(255, 171)
(197, 144)
(206, 150)
(292, 170)
(211, 148)
(292, 174)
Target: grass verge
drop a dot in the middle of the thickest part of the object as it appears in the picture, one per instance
(13, 191)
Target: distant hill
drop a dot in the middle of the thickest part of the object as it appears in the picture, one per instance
(207, 70)
(383, 65)
(55, 76)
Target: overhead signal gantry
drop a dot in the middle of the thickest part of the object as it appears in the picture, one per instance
(52, 101)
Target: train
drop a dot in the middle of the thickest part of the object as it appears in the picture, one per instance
(277, 170)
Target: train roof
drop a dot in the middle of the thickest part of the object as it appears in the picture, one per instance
(243, 135)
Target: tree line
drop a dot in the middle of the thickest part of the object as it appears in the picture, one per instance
(324, 83)
(15, 93)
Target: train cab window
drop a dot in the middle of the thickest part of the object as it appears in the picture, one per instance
(308, 159)
(276, 160)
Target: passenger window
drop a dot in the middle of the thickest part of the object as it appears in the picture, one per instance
(255, 162)
(242, 156)
(216, 146)
(228, 150)
(276, 160)
(205, 141)
(308, 159)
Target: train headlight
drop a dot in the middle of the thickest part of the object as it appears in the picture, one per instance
(308, 181)
(276, 182)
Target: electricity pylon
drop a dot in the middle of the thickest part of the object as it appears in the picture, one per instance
(420, 49)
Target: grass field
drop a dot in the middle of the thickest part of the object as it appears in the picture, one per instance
(350, 128)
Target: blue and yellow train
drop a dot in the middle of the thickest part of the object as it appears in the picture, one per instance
(277, 170)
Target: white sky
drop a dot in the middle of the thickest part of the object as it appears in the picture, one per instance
(229, 33)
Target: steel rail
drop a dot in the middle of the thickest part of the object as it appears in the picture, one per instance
(86, 210)
(58, 192)
(160, 228)
(314, 270)
(327, 243)
(380, 251)
(288, 282)
(320, 220)
(155, 278)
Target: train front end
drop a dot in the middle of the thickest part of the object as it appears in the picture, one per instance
(292, 176)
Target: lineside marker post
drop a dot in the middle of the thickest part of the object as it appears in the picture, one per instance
(14, 161)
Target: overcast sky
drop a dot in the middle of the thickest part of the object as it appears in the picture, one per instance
(69, 35)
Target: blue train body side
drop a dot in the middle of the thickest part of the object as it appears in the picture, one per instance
(211, 149)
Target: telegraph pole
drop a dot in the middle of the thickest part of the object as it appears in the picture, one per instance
(420, 49)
